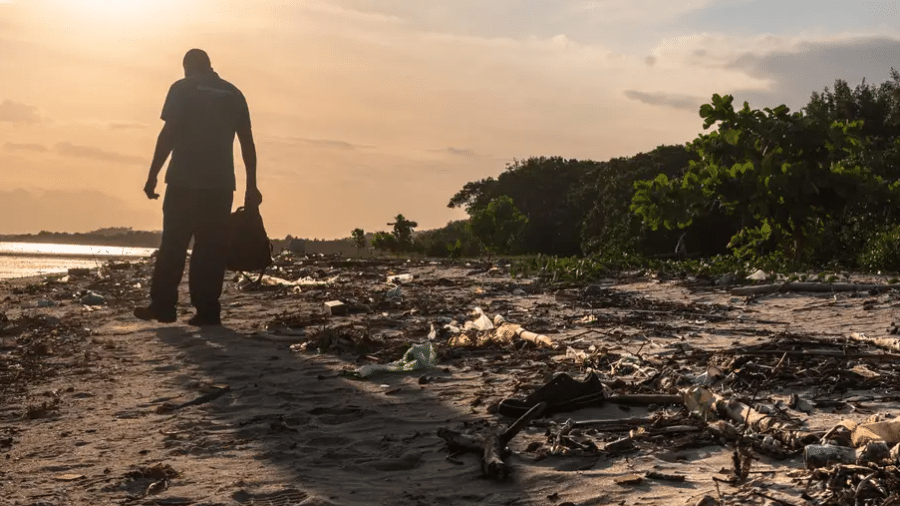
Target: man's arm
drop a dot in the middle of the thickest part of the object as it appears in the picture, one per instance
(164, 145)
(252, 197)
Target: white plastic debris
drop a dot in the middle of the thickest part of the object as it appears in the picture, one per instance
(93, 299)
(759, 275)
(481, 322)
(418, 356)
(400, 278)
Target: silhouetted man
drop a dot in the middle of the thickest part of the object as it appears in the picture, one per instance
(202, 114)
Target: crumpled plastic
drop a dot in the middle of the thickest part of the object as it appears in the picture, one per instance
(481, 322)
(418, 356)
(864, 433)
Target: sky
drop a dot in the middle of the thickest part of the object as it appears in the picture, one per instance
(363, 109)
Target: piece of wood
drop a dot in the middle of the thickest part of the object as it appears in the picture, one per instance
(887, 343)
(805, 287)
(517, 426)
(631, 479)
(336, 308)
(492, 446)
(620, 445)
(600, 424)
(654, 475)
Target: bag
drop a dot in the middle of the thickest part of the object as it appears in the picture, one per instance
(250, 249)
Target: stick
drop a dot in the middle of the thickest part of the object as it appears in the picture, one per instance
(820, 353)
(774, 499)
(632, 422)
(506, 436)
(493, 446)
(653, 475)
(805, 287)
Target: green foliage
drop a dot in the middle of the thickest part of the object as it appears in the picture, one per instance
(882, 251)
(547, 191)
(609, 226)
(455, 240)
(385, 242)
(878, 108)
(782, 174)
(403, 232)
(773, 186)
(499, 226)
(359, 238)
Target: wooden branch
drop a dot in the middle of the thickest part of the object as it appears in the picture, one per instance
(517, 426)
(600, 424)
(492, 446)
(805, 287)
(818, 353)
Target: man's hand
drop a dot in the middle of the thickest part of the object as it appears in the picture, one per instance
(150, 189)
(252, 198)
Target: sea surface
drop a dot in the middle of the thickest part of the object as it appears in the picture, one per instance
(19, 259)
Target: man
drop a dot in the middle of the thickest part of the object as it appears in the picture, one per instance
(202, 114)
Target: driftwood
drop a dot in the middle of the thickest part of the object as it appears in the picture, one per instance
(805, 287)
(887, 343)
(491, 446)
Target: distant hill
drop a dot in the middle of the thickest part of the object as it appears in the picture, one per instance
(124, 237)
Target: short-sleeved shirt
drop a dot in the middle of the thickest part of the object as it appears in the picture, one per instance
(206, 112)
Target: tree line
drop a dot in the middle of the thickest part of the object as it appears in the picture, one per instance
(819, 186)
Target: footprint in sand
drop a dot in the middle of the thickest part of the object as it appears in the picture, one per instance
(337, 416)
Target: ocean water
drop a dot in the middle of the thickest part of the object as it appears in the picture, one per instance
(18, 260)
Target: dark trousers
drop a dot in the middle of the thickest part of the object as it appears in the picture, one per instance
(203, 215)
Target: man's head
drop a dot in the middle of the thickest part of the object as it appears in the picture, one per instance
(196, 61)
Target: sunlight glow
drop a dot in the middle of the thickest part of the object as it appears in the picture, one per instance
(119, 9)
(122, 14)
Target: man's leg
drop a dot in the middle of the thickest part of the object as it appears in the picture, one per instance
(179, 217)
(209, 257)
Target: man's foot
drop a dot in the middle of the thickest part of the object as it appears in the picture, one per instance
(199, 320)
(149, 314)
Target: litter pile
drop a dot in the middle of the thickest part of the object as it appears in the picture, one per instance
(593, 374)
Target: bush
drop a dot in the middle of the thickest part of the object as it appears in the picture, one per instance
(882, 252)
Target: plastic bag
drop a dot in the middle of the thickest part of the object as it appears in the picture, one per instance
(418, 356)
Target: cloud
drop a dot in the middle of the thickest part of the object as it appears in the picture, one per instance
(69, 149)
(464, 152)
(321, 143)
(25, 146)
(125, 125)
(683, 102)
(19, 113)
(584, 20)
(802, 68)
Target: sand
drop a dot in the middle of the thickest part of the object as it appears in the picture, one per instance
(287, 423)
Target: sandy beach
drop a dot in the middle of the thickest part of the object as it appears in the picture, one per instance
(99, 408)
